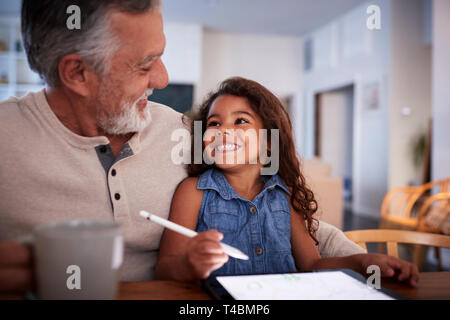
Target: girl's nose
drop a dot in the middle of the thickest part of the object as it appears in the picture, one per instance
(224, 132)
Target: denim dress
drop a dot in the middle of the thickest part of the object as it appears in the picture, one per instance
(260, 228)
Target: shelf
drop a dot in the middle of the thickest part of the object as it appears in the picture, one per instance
(13, 55)
(21, 86)
(10, 20)
(29, 86)
(5, 54)
(14, 64)
(20, 55)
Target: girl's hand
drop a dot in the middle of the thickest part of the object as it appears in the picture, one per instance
(205, 253)
(390, 267)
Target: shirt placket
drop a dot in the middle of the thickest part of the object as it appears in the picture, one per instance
(113, 172)
(258, 264)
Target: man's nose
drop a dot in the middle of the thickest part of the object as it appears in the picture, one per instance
(159, 77)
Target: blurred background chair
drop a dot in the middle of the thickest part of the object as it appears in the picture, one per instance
(401, 206)
(393, 237)
(327, 190)
(434, 217)
(434, 214)
(415, 208)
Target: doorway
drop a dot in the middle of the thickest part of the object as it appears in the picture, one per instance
(334, 114)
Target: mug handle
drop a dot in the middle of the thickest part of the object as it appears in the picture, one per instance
(27, 240)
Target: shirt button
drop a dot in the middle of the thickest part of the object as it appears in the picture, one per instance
(103, 149)
(117, 196)
(252, 210)
(259, 250)
(113, 172)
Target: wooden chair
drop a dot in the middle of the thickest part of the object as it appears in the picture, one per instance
(393, 237)
(432, 218)
(401, 206)
(430, 222)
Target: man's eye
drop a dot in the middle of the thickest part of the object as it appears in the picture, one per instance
(212, 124)
(241, 121)
(145, 69)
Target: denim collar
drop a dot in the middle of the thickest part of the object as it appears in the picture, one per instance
(215, 180)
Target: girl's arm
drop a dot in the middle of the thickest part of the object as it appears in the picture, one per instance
(307, 258)
(182, 258)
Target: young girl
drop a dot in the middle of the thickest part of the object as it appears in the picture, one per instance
(268, 217)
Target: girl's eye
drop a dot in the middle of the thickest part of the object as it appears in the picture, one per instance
(212, 124)
(241, 121)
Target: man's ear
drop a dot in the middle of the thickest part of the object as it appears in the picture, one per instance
(76, 75)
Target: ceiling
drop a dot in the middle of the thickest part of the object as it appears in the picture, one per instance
(288, 17)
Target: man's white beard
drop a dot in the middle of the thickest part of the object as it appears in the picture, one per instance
(129, 120)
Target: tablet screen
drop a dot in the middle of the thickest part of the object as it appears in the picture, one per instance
(333, 285)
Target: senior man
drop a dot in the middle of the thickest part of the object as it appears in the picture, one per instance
(90, 145)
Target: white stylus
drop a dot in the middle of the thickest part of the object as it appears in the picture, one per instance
(229, 250)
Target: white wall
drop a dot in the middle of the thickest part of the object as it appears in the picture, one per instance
(397, 59)
(346, 52)
(410, 89)
(205, 58)
(183, 53)
(273, 61)
(441, 92)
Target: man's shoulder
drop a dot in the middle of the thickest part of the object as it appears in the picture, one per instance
(165, 122)
(165, 115)
(9, 108)
(14, 114)
(18, 107)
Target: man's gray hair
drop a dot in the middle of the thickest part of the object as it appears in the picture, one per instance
(47, 39)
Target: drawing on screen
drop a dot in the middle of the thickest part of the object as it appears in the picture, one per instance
(320, 285)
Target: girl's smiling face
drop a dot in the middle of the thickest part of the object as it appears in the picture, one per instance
(232, 132)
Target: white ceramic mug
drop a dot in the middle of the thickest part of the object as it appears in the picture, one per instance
(78, 259)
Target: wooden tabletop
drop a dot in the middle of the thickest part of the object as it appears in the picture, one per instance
(432, 285)
(161, 290)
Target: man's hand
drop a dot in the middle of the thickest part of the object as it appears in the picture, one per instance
(390, 267)
(15, 267)
(205, 253)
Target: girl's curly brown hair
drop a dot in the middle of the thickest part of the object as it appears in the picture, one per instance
(267, 106)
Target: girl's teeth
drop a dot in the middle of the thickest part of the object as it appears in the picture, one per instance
(227, 147)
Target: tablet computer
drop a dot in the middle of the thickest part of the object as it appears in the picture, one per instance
(342, 284)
